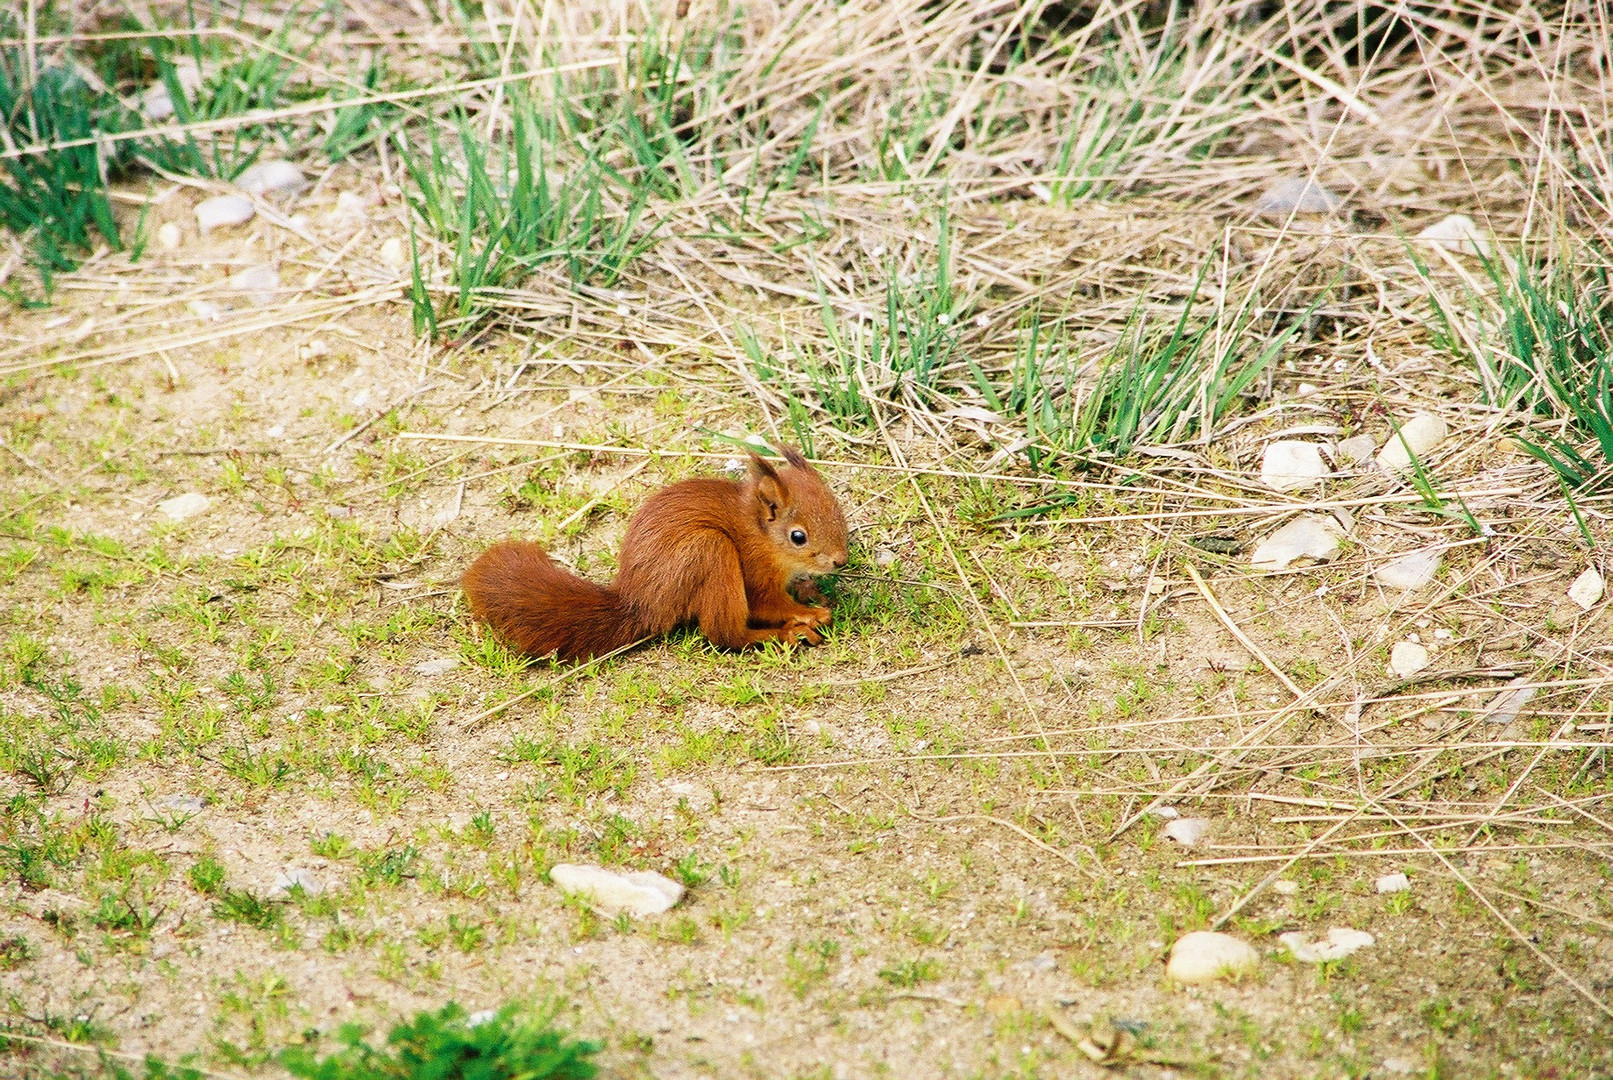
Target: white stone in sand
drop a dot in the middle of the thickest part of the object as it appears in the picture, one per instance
(1340, 943)
(1410, 571)
(168, 236)
(297, 877)
(393, 254)
(183, 506)
(1456, 233)
(1407, 658)
(1510, 702)
(260, 282)
(1393, 883)
(1309, 536)
(1187, 831)
(1296, 195)
(640, 893)
(1416, 437)
(440, 666)
(1587, 589)
(1290, 464)
(1357, 448)
(1206, 955)
(223, 210)
(270, 178)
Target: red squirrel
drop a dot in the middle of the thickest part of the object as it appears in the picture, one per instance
(722, 554)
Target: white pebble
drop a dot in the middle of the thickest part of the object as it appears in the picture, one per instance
(640, 893)
(1587, 589)
(1456, 233)
(393, 255)
(1407, 658)
(223, 210)
(1410, 571)
(1339, 944)
(1416, 438)
(183, 506)
(1290, 464)
(270, 178)
(260, 282)
(168, 236)
(1206, 955)
(1357, 448)
(294, 876)
(1393, 883)
(1297, 195)
(1309, 536)
(1510, 702)
(1284, 887)
(440, 666)
(1187, 831)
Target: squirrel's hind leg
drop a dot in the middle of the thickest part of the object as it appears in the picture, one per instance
(724, 615)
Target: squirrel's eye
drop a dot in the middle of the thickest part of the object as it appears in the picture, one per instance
(797, 537)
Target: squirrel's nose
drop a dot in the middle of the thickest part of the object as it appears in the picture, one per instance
(840, 562)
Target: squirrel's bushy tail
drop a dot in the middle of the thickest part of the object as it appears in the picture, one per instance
(540, 609)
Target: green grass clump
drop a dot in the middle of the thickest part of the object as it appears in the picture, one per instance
(446, 1045)
(56, 197)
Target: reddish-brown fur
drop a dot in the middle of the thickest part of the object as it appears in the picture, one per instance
(716, 553)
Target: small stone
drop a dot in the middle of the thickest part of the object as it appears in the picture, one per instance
(609, 893)
(181, 804)
(1357, 449)
(157, 103)
(1284, 887)
(1166, 813)
(1206, 955)
(1408, 572)
(351, 209)
(224, 210)
(1187, 831)
(1511, 702)
(168, 236)
(270, 178)
(885, 557)
(260, 282)
(1416, 438)
(205, 309)
(337, 512)
(1587, 589)
(440, 666)
(1309, 536)
(394, 256)
(1456, 233)
(1002, 1005)
(1407, 658)
(1290, 465)
(1399, 1066)
(1339, 944)
(1393, 883)
(1296, 195)
(296, 877)
(183, 506)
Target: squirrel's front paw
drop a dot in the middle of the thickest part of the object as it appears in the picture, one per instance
(813, 617)
(799, 632)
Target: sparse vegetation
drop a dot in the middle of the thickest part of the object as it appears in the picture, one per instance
(1026, 282)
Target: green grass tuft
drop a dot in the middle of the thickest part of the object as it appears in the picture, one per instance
(447, 1045)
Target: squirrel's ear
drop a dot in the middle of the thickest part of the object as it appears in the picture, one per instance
(769, 488)
(796, 459)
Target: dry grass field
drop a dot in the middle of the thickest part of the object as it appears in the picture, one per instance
(1039, 286)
